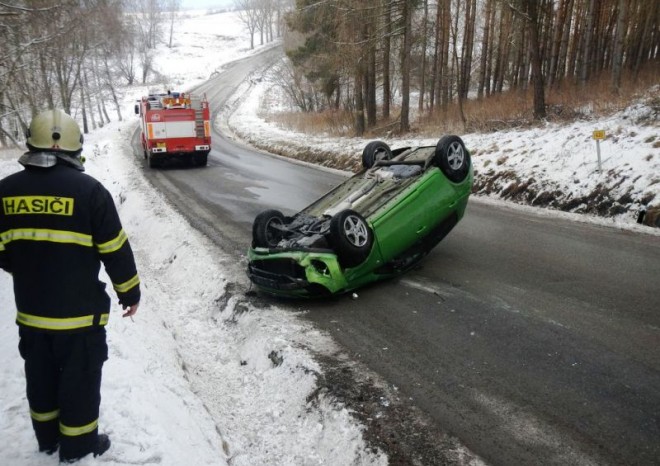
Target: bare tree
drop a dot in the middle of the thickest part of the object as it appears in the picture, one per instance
(172, 7)
(50, 57)
(127, 48)
(485, 50)
(423, 53)
(621, 30)
(406, 15)
(248, 13)
(387, 48)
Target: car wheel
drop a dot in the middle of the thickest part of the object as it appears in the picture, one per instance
(266, 229)
(351, 237)
(375, 151)
(453, 158)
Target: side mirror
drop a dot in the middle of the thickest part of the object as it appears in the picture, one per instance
(137, 109)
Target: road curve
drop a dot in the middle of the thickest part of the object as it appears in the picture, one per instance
(532, 339)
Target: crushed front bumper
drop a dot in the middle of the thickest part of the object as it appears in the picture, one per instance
(295, 272)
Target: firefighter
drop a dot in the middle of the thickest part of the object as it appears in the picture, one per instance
(57, 225)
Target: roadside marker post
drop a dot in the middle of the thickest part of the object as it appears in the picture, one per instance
(599, 135)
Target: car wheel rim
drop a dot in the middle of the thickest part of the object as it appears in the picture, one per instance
(355, 231)
(455, 156)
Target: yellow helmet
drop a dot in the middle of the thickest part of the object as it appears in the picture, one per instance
(54, 130)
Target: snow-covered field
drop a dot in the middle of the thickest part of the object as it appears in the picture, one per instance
(200, 376)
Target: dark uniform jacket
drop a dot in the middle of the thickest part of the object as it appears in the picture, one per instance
(56, 226)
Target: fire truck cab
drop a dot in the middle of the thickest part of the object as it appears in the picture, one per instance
(175, 125)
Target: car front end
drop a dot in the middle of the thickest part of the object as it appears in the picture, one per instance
(295, 272)
(309, 273)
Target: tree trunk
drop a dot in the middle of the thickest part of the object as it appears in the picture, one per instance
(459, 92)
(371, 79)
(537, 75)
(573, 45)
(586, 46)
(422, 74)
(405, 67)
(617, 56)
(445, 82)
(563, 46)
(645, 42)
(484, 50)
(387, 45)
(434, 68)
(83, 106)
(558, 28)
(359, 106)
(466, 48)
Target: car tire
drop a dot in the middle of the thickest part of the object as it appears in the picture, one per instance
(453, 158)
(351, 237)
(375, 151)
(264, 235)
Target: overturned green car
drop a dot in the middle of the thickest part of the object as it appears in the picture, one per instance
(375, 225)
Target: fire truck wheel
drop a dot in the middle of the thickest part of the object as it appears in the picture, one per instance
(200, 160)
(153, 163)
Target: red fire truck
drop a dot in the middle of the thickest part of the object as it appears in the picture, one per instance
(175, 125)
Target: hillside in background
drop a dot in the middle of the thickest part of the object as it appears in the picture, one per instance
(549, 164)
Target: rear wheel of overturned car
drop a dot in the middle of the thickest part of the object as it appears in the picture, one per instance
(267, 229)
(453, 158)
(375, 151)
(350, 237)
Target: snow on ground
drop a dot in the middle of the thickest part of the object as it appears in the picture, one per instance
(202, 44)
(553, 165)
(200, 376)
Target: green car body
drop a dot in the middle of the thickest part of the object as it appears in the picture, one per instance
(408, 210)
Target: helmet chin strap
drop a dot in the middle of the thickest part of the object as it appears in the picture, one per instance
(45, 159)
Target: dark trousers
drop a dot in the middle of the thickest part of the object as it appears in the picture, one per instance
(63, 374)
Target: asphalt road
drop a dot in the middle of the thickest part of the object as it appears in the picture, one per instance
(531, 339)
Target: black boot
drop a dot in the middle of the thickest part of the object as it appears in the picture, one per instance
(49, 449)
(102, 445)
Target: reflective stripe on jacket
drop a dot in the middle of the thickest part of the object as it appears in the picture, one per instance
(66, 323)
(57, 225)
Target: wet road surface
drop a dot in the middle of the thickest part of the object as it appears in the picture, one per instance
(530, 339)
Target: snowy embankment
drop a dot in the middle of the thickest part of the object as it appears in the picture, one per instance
(552, 165)
(200, 376)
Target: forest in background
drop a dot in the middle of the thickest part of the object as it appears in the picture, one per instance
(365, 58)
(76, 55)
(352, 63)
